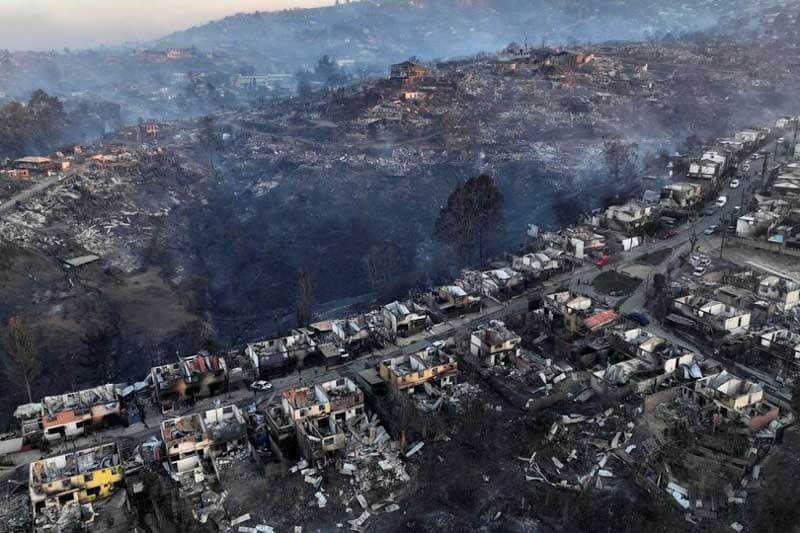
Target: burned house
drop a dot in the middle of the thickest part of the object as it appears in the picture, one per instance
(681, 195)
(501, 280)
(714, 315)
(62, 488)
(629, 217)
(732, 397)
(29, 420)
(270, 355)
(197, 376)
(407, 72)
(452, 298)
(226, 429)
(188, 453)
(582, 242)
(433, 366)
(785, 292)
(567, 308)
(319, 415)
(782, 344)
(401, 320)
(70, 415)
(494, 344)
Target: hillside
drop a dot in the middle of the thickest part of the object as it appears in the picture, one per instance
(369, 33)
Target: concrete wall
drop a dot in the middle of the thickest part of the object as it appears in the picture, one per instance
(657, 398)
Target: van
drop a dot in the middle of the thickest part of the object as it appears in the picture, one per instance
(721, 201)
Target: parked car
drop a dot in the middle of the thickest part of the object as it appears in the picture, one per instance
(261, 385)
(721, 201)
(731, 229)
(668, 234)
(737, 209)
(638, 317)
(746, 167)
(710, 230)
(699, 271)
(709, 211)
(602, 260)
(735, 184)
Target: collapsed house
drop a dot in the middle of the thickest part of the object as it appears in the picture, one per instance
(226, 429)
(318, 415)
(193, 377)
(494, 344)
(70, 415)
(734, 398)
(273, 354)
(62, 488)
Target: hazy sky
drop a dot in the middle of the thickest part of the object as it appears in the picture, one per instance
(55, 24)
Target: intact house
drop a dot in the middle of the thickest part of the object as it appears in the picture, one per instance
(274, 354)
(783, 291)
(715, 315)
(70, 415)
(34, 164)
(411, 372)
(734, 398)
(682, 195)
(197, 376)
(401, 320)
(629, 217)
(319, 415)
(62, 488)
(494, 344)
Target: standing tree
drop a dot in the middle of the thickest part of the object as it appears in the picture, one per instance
(620, 158)
(472, 218)
(208, 138)
(23, 364)
(304, 299)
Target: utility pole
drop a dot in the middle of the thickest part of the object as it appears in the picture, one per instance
(722, 245)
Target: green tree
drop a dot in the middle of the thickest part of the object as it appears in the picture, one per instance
(472, 221)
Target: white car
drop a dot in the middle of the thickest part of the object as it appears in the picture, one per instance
(721, 201)
(735, 184)
(261, 385)
(698, 271)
